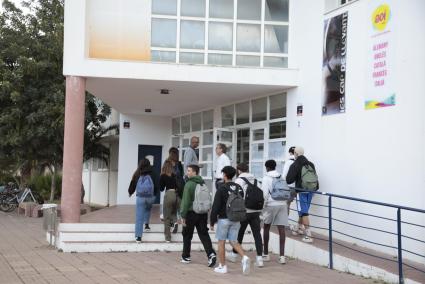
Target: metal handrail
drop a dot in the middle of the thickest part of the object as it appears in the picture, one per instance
(399, 235)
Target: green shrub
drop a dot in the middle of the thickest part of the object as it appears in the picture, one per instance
(41, 184)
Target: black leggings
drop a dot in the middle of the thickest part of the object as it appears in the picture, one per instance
(253, 220)
(282, 238)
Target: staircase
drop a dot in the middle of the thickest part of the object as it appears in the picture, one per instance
(99, 237)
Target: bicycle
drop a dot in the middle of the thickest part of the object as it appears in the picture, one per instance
(11, 198)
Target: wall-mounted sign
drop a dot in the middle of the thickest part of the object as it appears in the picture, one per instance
(299, 110)
(380, 91)
(126, 124)
(334, 64)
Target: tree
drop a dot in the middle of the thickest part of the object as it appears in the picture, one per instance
(32, 91)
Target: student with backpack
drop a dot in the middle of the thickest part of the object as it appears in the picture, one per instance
(254, 203)
(194, 208)
(228, 211)
(276, 195)
(143, 185)
(168, 184)
(303, 173)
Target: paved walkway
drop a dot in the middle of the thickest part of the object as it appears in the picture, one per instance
(26, 258)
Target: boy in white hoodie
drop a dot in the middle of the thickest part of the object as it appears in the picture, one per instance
(274, 213)
(252, 217)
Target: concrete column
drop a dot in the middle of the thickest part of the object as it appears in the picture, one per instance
(73, 149)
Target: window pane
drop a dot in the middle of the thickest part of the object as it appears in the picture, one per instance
(207, 119)
(247, 60)
(277, 150)
(219, 59)
(196, 121)
(278, 130)
(163, 56)
(278, 106)
(257, 170)
(277, 10)
(192, 34)
(194, 8)
(258, 134)
(207, 138)
(191, 57)
(175, 142)
(220, 36)
(276, 39)
(242, 113)
(227, 116)
(185, 123)
(249, 10)
(207, 154)
(221, 9)
(225, 136)
(164, 33)
(248, 38)
(257, 151)
(164, 7)
(259, 109)
(176, 125)
(279, 62)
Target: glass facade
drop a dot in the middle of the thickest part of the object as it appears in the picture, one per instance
(213, 32)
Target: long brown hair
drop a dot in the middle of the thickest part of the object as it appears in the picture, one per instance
(167, 168)
(173, 155)
(142, 168)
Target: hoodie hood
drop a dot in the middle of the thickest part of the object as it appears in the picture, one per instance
(146, 170)
(273, 174)
(197, 179)
(246, 175)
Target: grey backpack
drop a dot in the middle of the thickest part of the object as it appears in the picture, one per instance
(281, 191)
(235, 206)
(203, 199)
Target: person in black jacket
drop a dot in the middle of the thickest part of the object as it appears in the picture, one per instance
(304, 198)
(226, 229)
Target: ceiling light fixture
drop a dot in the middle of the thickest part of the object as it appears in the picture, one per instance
(148, 110)
(165, 91)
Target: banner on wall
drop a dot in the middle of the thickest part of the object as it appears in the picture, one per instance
(334, 64)
(380, 90)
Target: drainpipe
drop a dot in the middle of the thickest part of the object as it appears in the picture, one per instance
(109, 174)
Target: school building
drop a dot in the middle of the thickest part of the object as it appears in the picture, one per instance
(344, 79)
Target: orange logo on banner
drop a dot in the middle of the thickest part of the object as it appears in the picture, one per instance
(380, 17)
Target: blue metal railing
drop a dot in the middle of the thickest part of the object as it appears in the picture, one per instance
(398, 233)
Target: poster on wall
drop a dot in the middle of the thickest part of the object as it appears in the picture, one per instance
(380, 77)
(334, 64)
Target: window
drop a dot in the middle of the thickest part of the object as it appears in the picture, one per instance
(258, 134)
(164, 7)
(191, 57)
(227, 114)
(248, 38)
(207, 138)
(164, 33)
(219, 59)
(221, 9)
(277, 150)
(249, 10)
(192, 34)
(276, 39)
(247, 60)
(193, 8)
(207, 119)
(220, 36)
(277, 10)
(163, 56)
(196, 121)
(259, 109)
(277, 130)
(277, 106)
(176, 125)
(185, 123)
(279, 62)
(242, 113)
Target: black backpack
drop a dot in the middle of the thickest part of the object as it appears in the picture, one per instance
(235, 206)
(254, 198)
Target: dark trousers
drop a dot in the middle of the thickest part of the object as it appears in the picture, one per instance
(200, 221)
(253, 220)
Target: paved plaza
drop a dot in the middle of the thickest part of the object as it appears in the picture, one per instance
(25, 257)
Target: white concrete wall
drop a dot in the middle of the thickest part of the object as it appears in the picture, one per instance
(145, 130)
(372, 154)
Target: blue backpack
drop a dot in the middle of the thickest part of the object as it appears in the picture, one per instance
(144, 187)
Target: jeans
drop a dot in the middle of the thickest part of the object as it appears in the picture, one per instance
(253, 220)
(227, 230)
(200, 222)
(143, 213)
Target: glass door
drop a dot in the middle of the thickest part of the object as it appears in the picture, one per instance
(258, 151)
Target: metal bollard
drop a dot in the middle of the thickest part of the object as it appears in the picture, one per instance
(49, 221)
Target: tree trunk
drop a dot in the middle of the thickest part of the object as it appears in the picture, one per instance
(53, 183)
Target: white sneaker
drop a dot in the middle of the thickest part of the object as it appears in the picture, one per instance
(259, 261)
(246, 265)
(307, 239)
(282, 259)
(266, 257)
(221, 269)
(231, 256)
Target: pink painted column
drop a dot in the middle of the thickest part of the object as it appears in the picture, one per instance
(73, 149)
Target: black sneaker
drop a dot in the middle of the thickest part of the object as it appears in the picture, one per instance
(185, 260)
(138, 240)
(176, 228)
(147, 228)
(212, 259)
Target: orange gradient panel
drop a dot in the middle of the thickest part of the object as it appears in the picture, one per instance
(119, 29)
